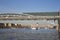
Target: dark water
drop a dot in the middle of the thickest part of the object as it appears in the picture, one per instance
(28, 34)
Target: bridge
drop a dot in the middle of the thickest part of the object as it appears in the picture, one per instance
(55, 16)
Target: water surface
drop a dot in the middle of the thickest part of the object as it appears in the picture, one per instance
(28, 34)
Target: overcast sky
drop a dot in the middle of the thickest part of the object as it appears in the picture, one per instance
(29, 5)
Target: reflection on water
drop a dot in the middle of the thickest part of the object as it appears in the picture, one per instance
(28, 34)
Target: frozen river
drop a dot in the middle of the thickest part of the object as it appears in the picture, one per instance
(28, 34)
(30, 21)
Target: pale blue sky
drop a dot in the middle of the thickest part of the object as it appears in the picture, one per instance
(29, 5)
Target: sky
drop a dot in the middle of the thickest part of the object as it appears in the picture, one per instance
(29, 5)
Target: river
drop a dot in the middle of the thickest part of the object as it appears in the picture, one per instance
(28, 34)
